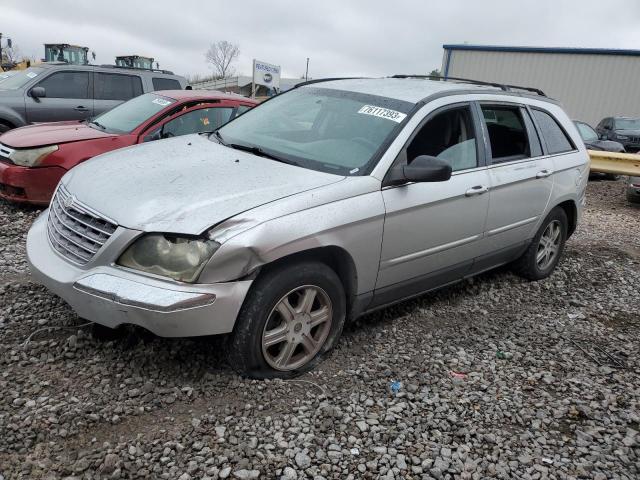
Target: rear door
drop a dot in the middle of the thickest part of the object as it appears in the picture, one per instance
(111, 89)
(521, 178)
(432, 229)
(67, 98)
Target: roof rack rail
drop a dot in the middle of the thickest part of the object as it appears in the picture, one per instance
(168, 72)
(319, 80)
(502, 86)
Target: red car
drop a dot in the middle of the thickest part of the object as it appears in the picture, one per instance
(33, 159)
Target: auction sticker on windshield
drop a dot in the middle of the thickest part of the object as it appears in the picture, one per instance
(161, 102)
(383, 113)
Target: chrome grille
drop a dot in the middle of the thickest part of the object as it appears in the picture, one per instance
(74, 231)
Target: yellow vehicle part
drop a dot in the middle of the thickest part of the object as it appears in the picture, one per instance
(616, 163)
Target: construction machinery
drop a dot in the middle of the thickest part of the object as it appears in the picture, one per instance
(63, 52)
(135, 61)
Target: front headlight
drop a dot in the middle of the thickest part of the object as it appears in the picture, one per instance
(622, 137)
(180, 258)
(31, 157)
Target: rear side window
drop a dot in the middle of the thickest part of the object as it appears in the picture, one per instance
(112, 86)
(507, 132)
(553, 135)
(166, 84)
(66, 85)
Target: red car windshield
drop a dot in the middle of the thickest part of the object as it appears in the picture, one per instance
(128, 115)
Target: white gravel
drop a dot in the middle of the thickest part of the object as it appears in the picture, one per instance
(499, 378)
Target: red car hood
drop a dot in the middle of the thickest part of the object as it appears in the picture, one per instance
(50, 133)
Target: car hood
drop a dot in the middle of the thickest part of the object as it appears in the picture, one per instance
(185, 184)
(606, 145)
(50, 133)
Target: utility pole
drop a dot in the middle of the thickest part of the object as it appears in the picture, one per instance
(306, 73)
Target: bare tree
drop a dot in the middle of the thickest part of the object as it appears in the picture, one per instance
(220, 56)
(11, 55)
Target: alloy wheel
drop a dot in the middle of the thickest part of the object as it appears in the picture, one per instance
(549, 245)
(297, 328)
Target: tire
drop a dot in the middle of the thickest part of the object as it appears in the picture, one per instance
(635, 199)
(275, 308)
(528, 265)
(106, 334)
(5, 127)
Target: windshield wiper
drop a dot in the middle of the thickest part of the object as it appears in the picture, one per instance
(219, 137)
(260, 152)
(99, 125)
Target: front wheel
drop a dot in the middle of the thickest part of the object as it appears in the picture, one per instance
(546, 248)
(290, 320)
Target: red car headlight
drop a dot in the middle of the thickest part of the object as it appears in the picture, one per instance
(31, 157)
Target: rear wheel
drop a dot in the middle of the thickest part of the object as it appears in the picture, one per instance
(546, 248)
(291, 319)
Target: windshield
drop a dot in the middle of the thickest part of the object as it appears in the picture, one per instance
(322, 129)
(19, 79)
(128, 115)
(587, 133)
(627, 123)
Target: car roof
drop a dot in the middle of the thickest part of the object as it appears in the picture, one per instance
(204, 94)
(408, 89)
(105, 69)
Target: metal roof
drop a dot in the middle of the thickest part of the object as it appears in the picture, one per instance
(202, 94)
(565, 50)
(408, 89)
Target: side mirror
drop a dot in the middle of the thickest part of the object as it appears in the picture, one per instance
(426, 168)
(38, 92)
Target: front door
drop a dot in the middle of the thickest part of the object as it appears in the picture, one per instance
(67, 98)
(432, 230)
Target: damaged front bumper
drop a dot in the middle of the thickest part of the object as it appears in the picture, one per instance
(110, 295)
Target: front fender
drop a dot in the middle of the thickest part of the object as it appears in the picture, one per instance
(354, 224)
(11, 116)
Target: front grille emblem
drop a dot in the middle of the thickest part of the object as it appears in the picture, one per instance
(69, 201)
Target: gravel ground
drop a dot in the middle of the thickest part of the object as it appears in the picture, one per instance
(496, 378)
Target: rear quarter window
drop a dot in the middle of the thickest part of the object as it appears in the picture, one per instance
(166, 84)
(554, 136)
(113, 86)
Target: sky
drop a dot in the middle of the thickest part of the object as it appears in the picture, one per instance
(341, 37)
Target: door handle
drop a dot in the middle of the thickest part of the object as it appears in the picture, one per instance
(477, 190)
(80, 108)
(544, 173)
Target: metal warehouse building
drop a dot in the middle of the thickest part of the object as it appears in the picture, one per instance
(590, 83)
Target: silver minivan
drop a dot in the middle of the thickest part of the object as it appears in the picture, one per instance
(334, 199)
